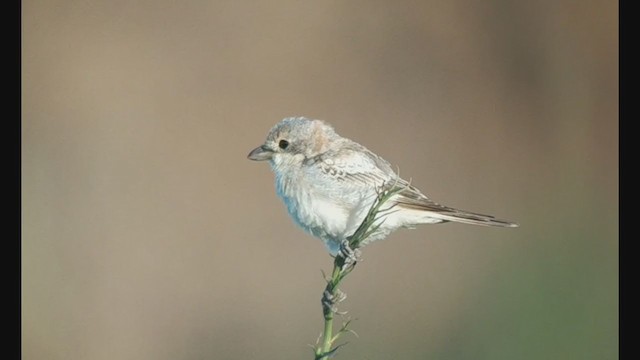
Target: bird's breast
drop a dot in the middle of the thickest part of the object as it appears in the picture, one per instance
(313, 209)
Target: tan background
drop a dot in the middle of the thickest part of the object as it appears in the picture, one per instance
(147, 234)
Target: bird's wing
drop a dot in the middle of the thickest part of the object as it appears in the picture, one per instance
(357, 169)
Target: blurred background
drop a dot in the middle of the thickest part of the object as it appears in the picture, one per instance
(147, 234)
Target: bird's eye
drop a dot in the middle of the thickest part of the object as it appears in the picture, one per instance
(283, 144)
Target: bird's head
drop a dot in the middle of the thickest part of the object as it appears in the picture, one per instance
(293, 140)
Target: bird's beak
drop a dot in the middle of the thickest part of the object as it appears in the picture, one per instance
(260, 153)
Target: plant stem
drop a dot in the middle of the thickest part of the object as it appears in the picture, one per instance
(327, 336)
(337, 274)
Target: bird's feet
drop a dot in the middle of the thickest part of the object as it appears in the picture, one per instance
(350, 256)
(330, 300)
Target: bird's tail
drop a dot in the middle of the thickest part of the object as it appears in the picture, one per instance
(466, 217)
(411, 199)
(430, 212)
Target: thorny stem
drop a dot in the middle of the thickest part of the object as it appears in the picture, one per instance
(342, 266)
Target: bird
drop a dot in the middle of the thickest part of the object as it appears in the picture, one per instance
(329, 183)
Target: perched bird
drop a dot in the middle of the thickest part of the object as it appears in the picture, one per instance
(329, 183)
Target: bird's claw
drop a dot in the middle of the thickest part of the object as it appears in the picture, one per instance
(350, 256)
(329, 300)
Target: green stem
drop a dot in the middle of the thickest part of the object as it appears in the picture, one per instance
(337, 274)
(327, 337)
